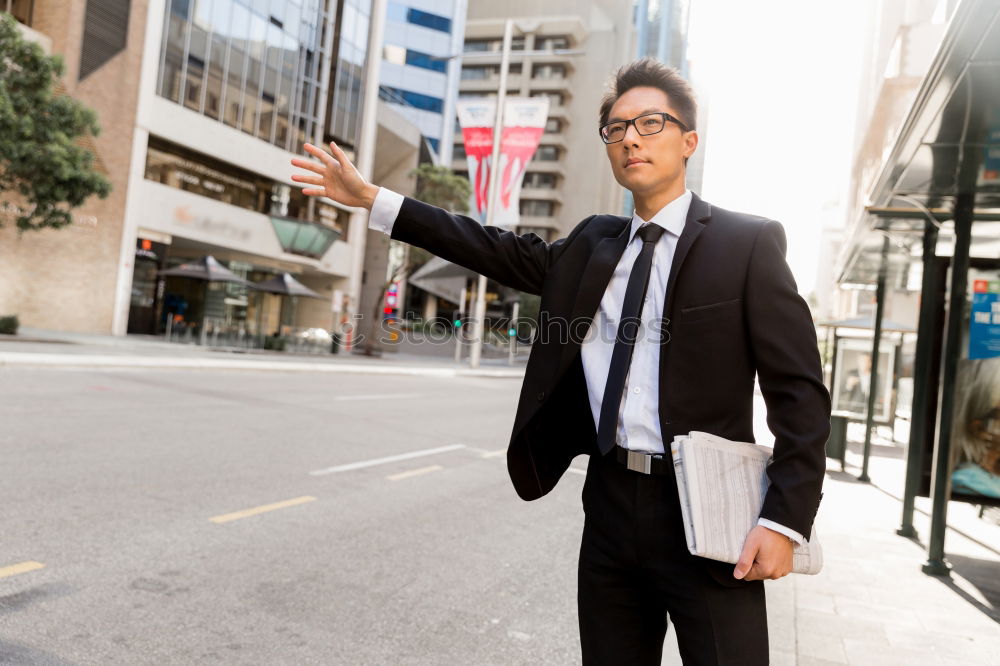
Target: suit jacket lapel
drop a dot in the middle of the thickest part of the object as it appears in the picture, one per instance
(698, 212)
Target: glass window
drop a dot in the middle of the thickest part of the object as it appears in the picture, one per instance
(173, 56)
(418, 59)
(428, 20)
(553, 125)
(418, 100)
(536, 207)
(540, 180)
(549, 71)
(547, 153)
(551, 43)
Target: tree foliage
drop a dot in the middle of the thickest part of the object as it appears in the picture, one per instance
(438, 186)
(40, 159)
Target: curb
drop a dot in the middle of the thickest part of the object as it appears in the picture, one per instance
(31, 359)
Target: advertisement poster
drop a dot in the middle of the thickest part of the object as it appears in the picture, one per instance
(975, 436)
(523, 124)
(984, 319)
(854, 371)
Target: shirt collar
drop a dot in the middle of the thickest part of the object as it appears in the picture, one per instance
(671, 217)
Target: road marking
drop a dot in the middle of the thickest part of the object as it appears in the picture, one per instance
(494, 454)
(236, 515)
(378, 396)
(387, 459)
(414, 472)
(576, 471)
(20, 568)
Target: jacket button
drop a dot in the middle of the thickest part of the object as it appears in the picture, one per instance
(541, 396)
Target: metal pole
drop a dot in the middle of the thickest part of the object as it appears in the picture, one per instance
(480, 315)
(873, 374)
(921, 378)
(941, 480)
(458, 329)
(513, 338)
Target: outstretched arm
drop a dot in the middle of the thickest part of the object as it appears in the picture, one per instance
(518, 261)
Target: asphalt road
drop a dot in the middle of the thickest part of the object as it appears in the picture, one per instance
(180, 517)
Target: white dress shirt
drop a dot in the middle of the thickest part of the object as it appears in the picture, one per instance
(640, 399)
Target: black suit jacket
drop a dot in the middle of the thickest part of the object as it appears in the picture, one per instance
(732, 311)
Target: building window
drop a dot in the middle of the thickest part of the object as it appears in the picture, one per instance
(548, 72)
(547, 153)
(481, 72)
(428, 20)
(555, 98)
(551, 43)
(553, 125)
(435, 144)
(458, 151)
(254, 66)
(539, 180)
(486, 45)
(537, 208)
(417, 100)
(427, 61)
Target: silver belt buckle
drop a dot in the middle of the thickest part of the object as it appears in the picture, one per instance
(640, 462)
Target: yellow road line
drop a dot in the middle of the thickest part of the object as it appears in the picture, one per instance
(494, 454)
(414, 472)
(20, 568)
(226, 517)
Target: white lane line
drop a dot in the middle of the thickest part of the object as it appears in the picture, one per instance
(388, 459)
(494, 454)
(414, 472)
(20, 568)
(378, 396)
(576, 471)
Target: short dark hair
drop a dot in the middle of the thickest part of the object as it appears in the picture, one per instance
(653, 73)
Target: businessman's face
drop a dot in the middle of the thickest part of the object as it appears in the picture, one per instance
(645, 164)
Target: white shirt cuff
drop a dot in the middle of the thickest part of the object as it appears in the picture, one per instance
(384, 210)
(781, 529)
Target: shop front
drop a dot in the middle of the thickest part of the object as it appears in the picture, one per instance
(934, 223)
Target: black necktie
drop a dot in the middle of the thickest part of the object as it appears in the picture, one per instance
(628, 331)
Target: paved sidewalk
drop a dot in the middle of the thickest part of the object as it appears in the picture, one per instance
(41, 348)
(872, 604)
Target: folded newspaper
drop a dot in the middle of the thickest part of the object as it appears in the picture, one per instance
(721, 484)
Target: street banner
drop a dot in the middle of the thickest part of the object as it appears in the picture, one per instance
(523, 124)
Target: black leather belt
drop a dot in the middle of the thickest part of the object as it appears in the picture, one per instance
(644, 463)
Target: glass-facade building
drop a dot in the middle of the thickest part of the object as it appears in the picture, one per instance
(419, 38)
(253, 64)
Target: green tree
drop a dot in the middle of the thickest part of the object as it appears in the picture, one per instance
(40, 159)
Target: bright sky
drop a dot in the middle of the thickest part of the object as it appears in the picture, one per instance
(779, 79)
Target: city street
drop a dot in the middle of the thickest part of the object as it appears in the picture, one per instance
(180, 517)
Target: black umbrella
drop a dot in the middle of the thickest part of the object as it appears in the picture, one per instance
(287, 285)
(207, 268)
(284, 285)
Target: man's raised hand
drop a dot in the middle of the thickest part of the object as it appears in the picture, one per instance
(334, 177)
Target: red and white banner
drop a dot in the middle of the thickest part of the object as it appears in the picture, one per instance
(523, 124)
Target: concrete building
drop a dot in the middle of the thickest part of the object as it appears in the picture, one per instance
(202, 106)
(904, 36)
(568, 179)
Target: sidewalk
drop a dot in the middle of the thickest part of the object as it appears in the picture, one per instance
(42, 348)
(872, 604)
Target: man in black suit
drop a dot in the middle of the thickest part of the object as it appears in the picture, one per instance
(649, 327)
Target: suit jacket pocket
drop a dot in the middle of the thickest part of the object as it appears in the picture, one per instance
(698, 312)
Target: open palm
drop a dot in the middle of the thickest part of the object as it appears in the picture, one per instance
(334, 177)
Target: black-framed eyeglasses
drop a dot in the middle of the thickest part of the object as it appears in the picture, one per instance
(646, 124)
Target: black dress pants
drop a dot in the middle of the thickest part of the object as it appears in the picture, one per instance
(635, 571)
